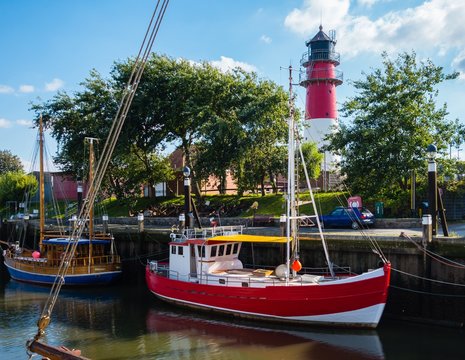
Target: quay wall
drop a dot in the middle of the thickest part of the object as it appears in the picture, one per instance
(412, 295)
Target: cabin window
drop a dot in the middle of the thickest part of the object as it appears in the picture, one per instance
(228, 249)
(201, 250)
(235, 248)
(244, 284)
(222, 281)
(221, 250)
(213, 251)
(180, 250)
(173, 250)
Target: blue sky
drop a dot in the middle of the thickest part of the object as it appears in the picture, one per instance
(51, 45)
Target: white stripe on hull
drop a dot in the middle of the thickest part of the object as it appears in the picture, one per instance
(365, 318)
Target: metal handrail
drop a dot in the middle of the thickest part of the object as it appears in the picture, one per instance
(320, 55)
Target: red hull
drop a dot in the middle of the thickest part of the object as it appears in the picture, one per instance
(289, 303)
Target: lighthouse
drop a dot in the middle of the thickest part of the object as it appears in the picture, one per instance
(320, 78)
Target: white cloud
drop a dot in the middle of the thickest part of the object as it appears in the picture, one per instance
(367, 3)
(24, 122)
(5, 89)
(226, 64)
(26, 88)
(435, 25)
(266, 39)
(4, 123)
(54, 85)
(459, 64)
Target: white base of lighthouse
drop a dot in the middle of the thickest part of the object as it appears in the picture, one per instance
(315, 131)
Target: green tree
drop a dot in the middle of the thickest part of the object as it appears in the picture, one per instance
(9, 162)
(15, 185)
(394, 117)
(313, 159)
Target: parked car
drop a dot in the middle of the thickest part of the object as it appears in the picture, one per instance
(348, 217)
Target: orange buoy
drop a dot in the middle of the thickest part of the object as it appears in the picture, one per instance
(296, 265)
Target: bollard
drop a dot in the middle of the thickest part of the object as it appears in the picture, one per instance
(140, 222)
(427, 223)
(182, 222)
(282, 224)
(105, 223)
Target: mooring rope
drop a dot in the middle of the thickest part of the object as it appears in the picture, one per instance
(441, 259)
(428, 279)
(426, 292)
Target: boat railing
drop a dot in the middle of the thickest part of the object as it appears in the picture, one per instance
(206, 233)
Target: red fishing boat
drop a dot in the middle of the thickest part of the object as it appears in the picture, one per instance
(205, 272)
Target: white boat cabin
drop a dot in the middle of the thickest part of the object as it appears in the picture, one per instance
(193, 257)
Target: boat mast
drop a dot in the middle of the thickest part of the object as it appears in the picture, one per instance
(41, 185)
(291, 225)
(90, 181)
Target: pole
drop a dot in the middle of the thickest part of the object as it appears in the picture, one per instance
(41, 186)
(187, 198)
(432, 194)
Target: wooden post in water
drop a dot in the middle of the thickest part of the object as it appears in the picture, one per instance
(427, 224)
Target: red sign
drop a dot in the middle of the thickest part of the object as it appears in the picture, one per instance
(355, 201)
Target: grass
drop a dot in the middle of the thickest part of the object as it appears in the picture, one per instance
(227, 205)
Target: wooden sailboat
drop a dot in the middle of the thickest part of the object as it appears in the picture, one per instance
(205, 272)
(94, 262)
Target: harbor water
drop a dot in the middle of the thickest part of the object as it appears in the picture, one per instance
(127, 322)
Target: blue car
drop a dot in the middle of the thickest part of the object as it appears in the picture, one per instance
(348, 217)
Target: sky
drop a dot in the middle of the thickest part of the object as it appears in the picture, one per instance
(51, 45)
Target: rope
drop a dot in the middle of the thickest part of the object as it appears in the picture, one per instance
(128, 95)
(435, 256)
(426, 292)
(427, 279)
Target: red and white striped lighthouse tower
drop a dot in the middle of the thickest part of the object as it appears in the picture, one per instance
(320, 78)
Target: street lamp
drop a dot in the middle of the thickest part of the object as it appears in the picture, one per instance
(431, 152)
(187, 196)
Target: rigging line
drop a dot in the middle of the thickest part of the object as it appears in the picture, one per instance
(425, 292)
(325, 249)
(427, 279)
(435, 256)
(102, 165)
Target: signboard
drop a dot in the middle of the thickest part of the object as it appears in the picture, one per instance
(354, 201)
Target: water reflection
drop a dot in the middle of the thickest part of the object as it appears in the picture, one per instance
(219, 334)
(129, 323)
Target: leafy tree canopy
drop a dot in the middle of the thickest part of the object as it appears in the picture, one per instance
(394, 117)
(225, 117)
(14, 186)
(9, 162)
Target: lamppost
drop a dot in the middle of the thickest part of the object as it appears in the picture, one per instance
(431, 151)
(187, 196)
